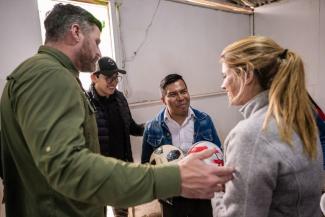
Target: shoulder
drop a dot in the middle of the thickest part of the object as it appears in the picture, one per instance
(45, 75)
(155, 123)
(47, 63)
(249, 137)
(200, 115)
(46, 67)
(119, 94)
(245, 135)
(202, 118)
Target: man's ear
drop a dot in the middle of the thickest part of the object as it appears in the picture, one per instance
(162, 99)
(93, 77)
(76, 32)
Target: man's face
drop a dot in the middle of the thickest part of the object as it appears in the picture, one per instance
(105, 85)
(177, 99)
(89, 51)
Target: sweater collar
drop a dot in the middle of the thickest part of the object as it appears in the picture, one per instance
(61, 57)
(255, 104)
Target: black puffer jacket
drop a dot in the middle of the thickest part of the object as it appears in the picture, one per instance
(130, 126)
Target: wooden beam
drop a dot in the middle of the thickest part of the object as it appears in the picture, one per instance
(97, 2)
(218, 5)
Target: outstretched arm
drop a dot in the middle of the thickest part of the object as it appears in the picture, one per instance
(136, 129)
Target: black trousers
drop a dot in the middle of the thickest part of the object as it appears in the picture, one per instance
(183, 207)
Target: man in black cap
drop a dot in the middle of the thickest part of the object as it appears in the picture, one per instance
(114, 119)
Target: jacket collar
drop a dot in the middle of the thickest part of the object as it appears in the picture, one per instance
(59, 56)
(255, 104)
(92, 91)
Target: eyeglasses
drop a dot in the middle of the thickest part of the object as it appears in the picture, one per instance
(111, 79)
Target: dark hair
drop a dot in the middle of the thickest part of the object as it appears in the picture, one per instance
(61, 17)
(169, 79)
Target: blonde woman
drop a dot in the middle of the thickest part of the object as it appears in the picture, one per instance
(275, 149)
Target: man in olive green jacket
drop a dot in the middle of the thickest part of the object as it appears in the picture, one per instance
(49, 141)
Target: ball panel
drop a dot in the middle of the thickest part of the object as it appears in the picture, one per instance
(216, 158)
(173, 155)
(166, 154)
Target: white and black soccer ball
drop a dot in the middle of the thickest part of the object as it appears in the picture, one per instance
(216, 158)
(166, 154)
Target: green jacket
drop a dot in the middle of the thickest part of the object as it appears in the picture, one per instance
(50, 145)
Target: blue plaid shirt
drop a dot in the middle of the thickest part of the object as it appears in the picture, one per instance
(156, 133)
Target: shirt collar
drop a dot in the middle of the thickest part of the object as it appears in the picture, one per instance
(167, 116)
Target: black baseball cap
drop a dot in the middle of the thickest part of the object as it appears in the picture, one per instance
(107, 66)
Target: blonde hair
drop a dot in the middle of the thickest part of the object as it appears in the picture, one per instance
(282, 73)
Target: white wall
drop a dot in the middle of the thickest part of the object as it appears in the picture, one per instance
(20, 38)
(20, 34)
(299, 25)
(182, 39)
(296, 24)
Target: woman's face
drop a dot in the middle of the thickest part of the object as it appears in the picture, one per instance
(232, 84)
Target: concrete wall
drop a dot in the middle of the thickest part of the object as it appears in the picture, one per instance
(23, 37)
(20, 38)
(20, 35)
(296, 24)
(182, 39)
(299, 25)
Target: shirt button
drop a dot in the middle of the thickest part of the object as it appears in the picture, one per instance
(48, 149)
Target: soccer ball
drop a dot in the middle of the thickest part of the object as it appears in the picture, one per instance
(166, 154)
(216, 158)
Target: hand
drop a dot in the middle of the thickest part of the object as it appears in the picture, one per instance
(199, 179)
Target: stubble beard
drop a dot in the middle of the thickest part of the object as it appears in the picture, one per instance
(87, 63)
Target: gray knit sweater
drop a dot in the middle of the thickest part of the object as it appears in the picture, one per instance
(272, 179)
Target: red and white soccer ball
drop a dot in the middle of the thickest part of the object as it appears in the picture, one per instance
(216, 158)
(166, 154)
